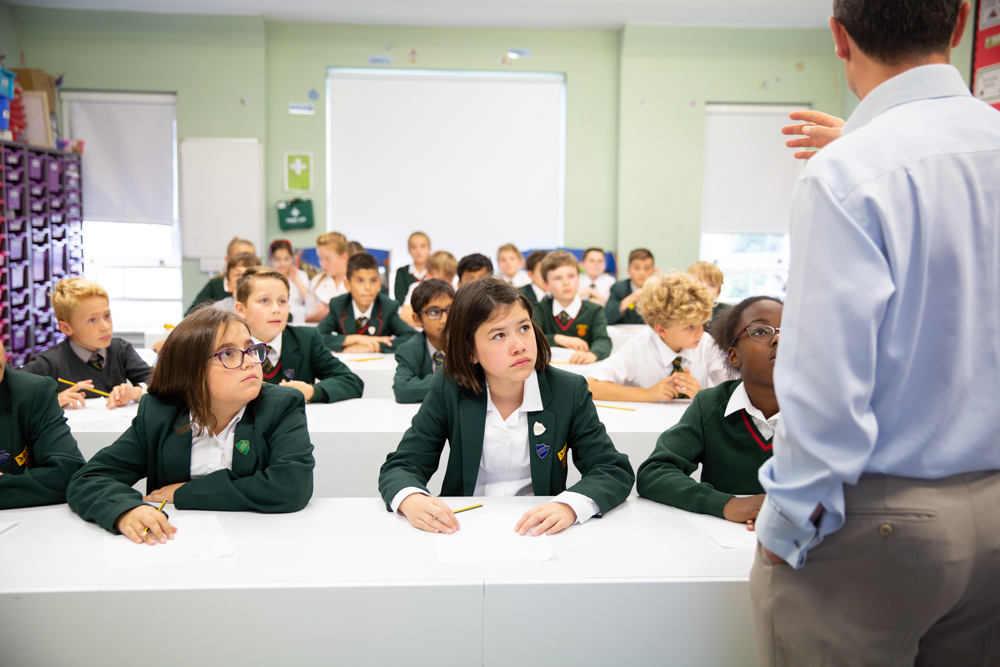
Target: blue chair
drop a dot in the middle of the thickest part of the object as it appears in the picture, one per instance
(610, 259)
(309, 258)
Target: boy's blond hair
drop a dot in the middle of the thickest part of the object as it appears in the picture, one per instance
(353, 248)
(674, 298)
(253, 275)
(237, 241)
(509, 247)
(706, 271)
(442, 261)
(336, 240)
(69, 292)
(556, 259)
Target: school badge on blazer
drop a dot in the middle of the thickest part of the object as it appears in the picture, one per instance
(290, 373)
(542, 450)
(562, 454)
(22, 457)
(581, 330)
(3, 456)
(243, 446)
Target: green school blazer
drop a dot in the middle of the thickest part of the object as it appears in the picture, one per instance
(402, 283)
(414, 370)
(306, 358)
(274, 474)
(589, 324)
(214, 290)
(529, 294)
(619, 291)
(341, 322)
(38, 454)
(570, 424)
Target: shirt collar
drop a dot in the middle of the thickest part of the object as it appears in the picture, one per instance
(573, 309)
(920, 83)
(632, 286)
(531, 402)
(741, 401)
(419, 275)
(666, 353)
(275, 344)
(224, 433)
(86, 354)
(540, 294)
(367, 313)
(430, 348)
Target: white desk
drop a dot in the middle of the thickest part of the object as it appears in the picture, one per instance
(345, 582)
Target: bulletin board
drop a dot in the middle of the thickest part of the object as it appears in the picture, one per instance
(986, 53)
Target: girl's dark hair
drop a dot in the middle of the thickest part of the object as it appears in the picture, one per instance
(280, 244)
(474, 262)
(475, 304)
(726, 325)
(181, 370)
(429, 290)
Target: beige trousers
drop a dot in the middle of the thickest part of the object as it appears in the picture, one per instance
(912, 578)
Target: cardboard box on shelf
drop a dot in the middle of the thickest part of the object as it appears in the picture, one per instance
(36, 79)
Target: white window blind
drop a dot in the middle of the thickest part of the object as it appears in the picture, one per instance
(749, 174)
(474, 159)
(129, 157)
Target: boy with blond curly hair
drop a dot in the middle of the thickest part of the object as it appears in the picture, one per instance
(675, 357)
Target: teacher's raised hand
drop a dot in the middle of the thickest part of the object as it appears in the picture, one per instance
(819, 130)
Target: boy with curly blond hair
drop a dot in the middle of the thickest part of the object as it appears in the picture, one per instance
(675, 358)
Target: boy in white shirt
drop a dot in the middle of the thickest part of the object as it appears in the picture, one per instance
(595, 284)
(511, 263)
(675, 358)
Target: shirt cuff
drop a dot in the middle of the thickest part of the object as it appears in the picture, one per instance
(783, 537)
(584, 507)
(401, 496)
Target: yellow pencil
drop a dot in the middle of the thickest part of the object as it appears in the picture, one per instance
(366, 359)
(93, 390)
(158, 509)
(466, 509)
(168, 326)
(614, 407)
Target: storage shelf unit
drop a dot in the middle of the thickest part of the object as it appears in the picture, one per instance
(41, 242)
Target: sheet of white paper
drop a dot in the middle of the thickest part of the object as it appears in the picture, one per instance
(197, 538)
(5, 527)
(727, 534)
(490, 538)
(95, 413)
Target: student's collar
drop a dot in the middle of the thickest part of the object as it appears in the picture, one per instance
(666, 353)
(531, 401)
(540, 294)
(86, 354)
(920, 83)
(632, 286)
(225, 285)
(367, 313)
(419, 275)
(740, 400)
(231, 426)
(274, 344)
(573, 309)
(430, 346)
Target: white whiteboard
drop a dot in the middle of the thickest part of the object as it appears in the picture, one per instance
(221, 194)
(474, 159)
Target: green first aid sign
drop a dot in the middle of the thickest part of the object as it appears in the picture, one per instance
(298, 172)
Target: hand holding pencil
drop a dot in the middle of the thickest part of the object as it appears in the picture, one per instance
(74, 396)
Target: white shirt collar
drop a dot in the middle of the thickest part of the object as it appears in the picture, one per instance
(531, 402)
(540, 294)
(367, 313)
(573, 309)
(224, 433)
(86, 354)
(741, 401)
(275, 346)
(667, 354)
(419, 275)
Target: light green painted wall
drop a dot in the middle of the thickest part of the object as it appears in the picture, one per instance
(209, 62)
(298, 55)
(10, 41)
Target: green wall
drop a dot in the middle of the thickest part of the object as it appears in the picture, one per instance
(10, 41)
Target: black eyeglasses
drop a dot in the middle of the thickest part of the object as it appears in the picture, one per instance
(434, 313)
(234, 358)
(758, 333)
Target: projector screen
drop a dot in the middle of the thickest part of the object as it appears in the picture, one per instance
(474, 159)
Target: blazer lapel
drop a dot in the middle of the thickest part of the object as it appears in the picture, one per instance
(378, 316)
(245, 456)
(176, 452)
(542, 452)
(348, 323)
(291, 359)
(472, 422)
(426, 363)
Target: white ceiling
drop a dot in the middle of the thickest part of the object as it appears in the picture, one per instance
(488, 13)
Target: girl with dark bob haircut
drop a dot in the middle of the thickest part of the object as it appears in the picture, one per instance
(511, 420)
(206, 388)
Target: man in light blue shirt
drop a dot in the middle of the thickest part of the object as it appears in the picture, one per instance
(883, 494)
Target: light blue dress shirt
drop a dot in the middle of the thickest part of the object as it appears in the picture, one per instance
(889, 359)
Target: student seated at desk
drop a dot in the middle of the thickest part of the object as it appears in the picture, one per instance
(567, 320)
(296, 356)
(537, 290)
(420, 358)
(364, 319)
(511, 421)
(207, 436)
(419, 247)
(38, 454)
(675, 357)
(283, 261)
(216, 288)
(511, 263)
(90, 355)
(711, 276)
(728, 429)
(331, 282)
(441, 265)
(473, 267)
(235, 268)
(595, 284)
(624, 295)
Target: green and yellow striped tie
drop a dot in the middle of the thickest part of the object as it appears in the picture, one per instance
(96, 361)
(679, 368)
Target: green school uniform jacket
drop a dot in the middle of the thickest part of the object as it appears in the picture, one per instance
(214, 290)
(38, 454)
(273, 475)
(414, 370)
(731, 450)
(341, 322)
(529, 294)
(402, 283)
(590, 324)
(305, 357)
(570, 424)
(619, 291)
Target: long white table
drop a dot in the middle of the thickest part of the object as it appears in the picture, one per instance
(345, 582)
(352, 438)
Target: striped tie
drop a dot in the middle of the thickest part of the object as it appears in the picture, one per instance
(96, 361)
(563, 318)
(438, 360)
(362, 324)
(267, 366)
(678, 368)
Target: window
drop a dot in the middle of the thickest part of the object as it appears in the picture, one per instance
(748, 179)
(131, 232)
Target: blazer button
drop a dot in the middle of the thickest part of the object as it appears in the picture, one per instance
(885, 530)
